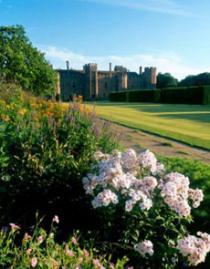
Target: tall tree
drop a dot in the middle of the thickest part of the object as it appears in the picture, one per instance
(24, 64)
(166, 80)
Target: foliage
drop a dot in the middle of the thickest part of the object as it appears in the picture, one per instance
(45, 150)
(40, 250)
(166, 80)
(196, 80)
(23, 64)
(144, 210)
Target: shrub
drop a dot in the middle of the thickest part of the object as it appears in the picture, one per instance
(178, 95)
(194, 95)
(118, 96)
(145, 210)
(141, 96)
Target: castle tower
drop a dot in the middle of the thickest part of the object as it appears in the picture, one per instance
(122, 81)
(154, 77)
(91, 72)
(150, 77)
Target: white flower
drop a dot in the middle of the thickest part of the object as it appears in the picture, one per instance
(169, 189)
(174, 190)
(146, 204)
(195, 248)
(148, 184)
(129, 160)
(145, 247)
(196, 196)
(148, 160)
(138, 196)
(121, 181)
(116, 176)
(105, 198)
(56, 219)
(129, 204)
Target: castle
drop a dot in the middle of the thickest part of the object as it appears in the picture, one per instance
(94, 84)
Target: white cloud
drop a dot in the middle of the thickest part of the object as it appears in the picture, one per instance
(170, 62)
(160, 6)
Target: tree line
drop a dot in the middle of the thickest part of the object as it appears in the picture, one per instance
(166, 80)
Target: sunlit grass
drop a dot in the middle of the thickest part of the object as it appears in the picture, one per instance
(186, 123)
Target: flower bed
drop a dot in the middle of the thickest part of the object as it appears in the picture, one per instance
(148, 209)
(123, 204)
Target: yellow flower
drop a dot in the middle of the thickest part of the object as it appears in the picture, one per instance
(22, 112)
(5, 118)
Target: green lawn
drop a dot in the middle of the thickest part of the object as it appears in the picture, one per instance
(186, 123)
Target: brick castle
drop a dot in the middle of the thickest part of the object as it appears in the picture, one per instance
(92, 83)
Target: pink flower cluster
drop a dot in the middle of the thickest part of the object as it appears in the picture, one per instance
(176, 193)
(120, 175)
(105, 198)
(148, 161)
(145, 248)
(117, 174)
(195, 248)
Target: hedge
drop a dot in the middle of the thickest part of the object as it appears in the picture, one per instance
(178, 95)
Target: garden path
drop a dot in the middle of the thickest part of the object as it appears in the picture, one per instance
(131, 138)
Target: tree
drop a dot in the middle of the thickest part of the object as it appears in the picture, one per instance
(24, 64)
(166, 80)
(196, 80)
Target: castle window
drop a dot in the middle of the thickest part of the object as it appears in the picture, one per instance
(105, 85)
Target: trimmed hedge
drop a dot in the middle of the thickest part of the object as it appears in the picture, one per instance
(179, 95)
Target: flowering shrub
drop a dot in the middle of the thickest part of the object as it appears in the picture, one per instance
(195, 248)
(45, 150)
(146, 208)
(40, 250)
(199, 173)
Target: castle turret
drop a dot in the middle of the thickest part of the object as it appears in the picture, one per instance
(140, 70)
(110, 67)
(67, 65)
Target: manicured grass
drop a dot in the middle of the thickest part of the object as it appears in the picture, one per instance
(186, 123)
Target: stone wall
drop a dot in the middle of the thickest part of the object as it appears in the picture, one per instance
(71, 82)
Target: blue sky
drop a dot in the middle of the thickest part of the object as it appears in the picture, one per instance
(173, 35)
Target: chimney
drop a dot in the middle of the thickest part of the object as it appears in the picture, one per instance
(140, 70)
(67, 65)
(110, 67)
